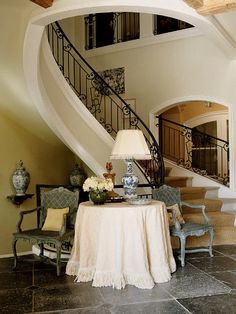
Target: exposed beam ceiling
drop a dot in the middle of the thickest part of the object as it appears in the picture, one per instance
(210, 7)
(43, 3)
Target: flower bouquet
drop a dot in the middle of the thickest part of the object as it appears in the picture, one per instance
(97, 188)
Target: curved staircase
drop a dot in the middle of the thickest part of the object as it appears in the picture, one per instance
(95, 97)
(223, 222)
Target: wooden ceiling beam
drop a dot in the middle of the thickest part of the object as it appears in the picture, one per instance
(43, 3)
(210, 7)
(194, 3)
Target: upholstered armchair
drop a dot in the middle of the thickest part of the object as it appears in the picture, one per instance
(178, 227)
(55, 223)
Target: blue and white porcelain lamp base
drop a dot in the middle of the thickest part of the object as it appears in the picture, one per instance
(130, 145)
(130, 181)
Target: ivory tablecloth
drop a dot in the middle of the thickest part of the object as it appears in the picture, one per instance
(118, 244)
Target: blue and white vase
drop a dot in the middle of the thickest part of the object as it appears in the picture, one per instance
(77, 176)
(130, 182)
(20, 179)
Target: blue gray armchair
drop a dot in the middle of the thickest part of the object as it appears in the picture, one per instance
(171, 196)
(60, 201)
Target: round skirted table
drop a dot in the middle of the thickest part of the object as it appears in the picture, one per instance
(117, 244)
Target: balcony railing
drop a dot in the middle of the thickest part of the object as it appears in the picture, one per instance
(104, 29)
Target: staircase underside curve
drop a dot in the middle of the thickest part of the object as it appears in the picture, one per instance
(69, 118)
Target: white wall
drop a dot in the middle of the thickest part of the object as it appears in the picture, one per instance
(160, 75)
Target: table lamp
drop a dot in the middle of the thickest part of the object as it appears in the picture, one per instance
(130, 145)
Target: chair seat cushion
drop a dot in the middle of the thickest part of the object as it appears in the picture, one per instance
(38, 234)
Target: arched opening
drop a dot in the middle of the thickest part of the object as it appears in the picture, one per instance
(195, 135)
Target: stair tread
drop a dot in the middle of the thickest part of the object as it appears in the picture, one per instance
(191, 189)
(188, 193)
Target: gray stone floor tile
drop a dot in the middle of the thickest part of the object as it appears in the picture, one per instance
(233, 257)
(187, 270)
(101, 309)
(15, 301)
(218, 263)
(52, 298)
(204, 285)
(163, 307)
(226, 249)
(132, 294)
(16, 309)
(14, 280)
(193, 286)
(226, 277)
(221, 304)
(48, 278)
(6, 265)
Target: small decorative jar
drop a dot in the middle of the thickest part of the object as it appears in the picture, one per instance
(77, 176)
(98, 197)
(20, 179)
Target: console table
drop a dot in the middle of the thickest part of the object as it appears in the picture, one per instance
(117, 244)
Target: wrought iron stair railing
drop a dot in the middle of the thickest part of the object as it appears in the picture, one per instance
(194, 150)
(110, 110)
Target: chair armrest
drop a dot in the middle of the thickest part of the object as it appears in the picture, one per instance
(175, 220)
(202, 207)
(22, 213)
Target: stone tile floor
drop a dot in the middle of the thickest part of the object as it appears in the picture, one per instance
(204, 285)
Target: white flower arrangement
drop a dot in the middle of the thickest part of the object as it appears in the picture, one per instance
(97, 184)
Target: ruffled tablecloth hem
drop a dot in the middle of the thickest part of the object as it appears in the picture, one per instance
(118, 281)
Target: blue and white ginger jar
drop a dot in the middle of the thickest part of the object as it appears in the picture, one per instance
(77, 176)
(20, 179)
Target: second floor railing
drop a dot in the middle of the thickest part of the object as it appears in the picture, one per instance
(194, 150)
(110, 110)
(102, 29)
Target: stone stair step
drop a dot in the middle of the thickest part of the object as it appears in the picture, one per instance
(212, 205)
(176, 181)
(189, 193)
(212, 191)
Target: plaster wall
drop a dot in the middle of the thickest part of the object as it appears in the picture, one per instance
(46, 163)
(159, 76)
(155, 74)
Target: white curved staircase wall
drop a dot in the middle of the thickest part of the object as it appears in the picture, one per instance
(69, 118)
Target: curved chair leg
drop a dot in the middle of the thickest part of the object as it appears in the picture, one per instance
(182, 250)
(58, 263)
(14, 252)
(211, 232)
